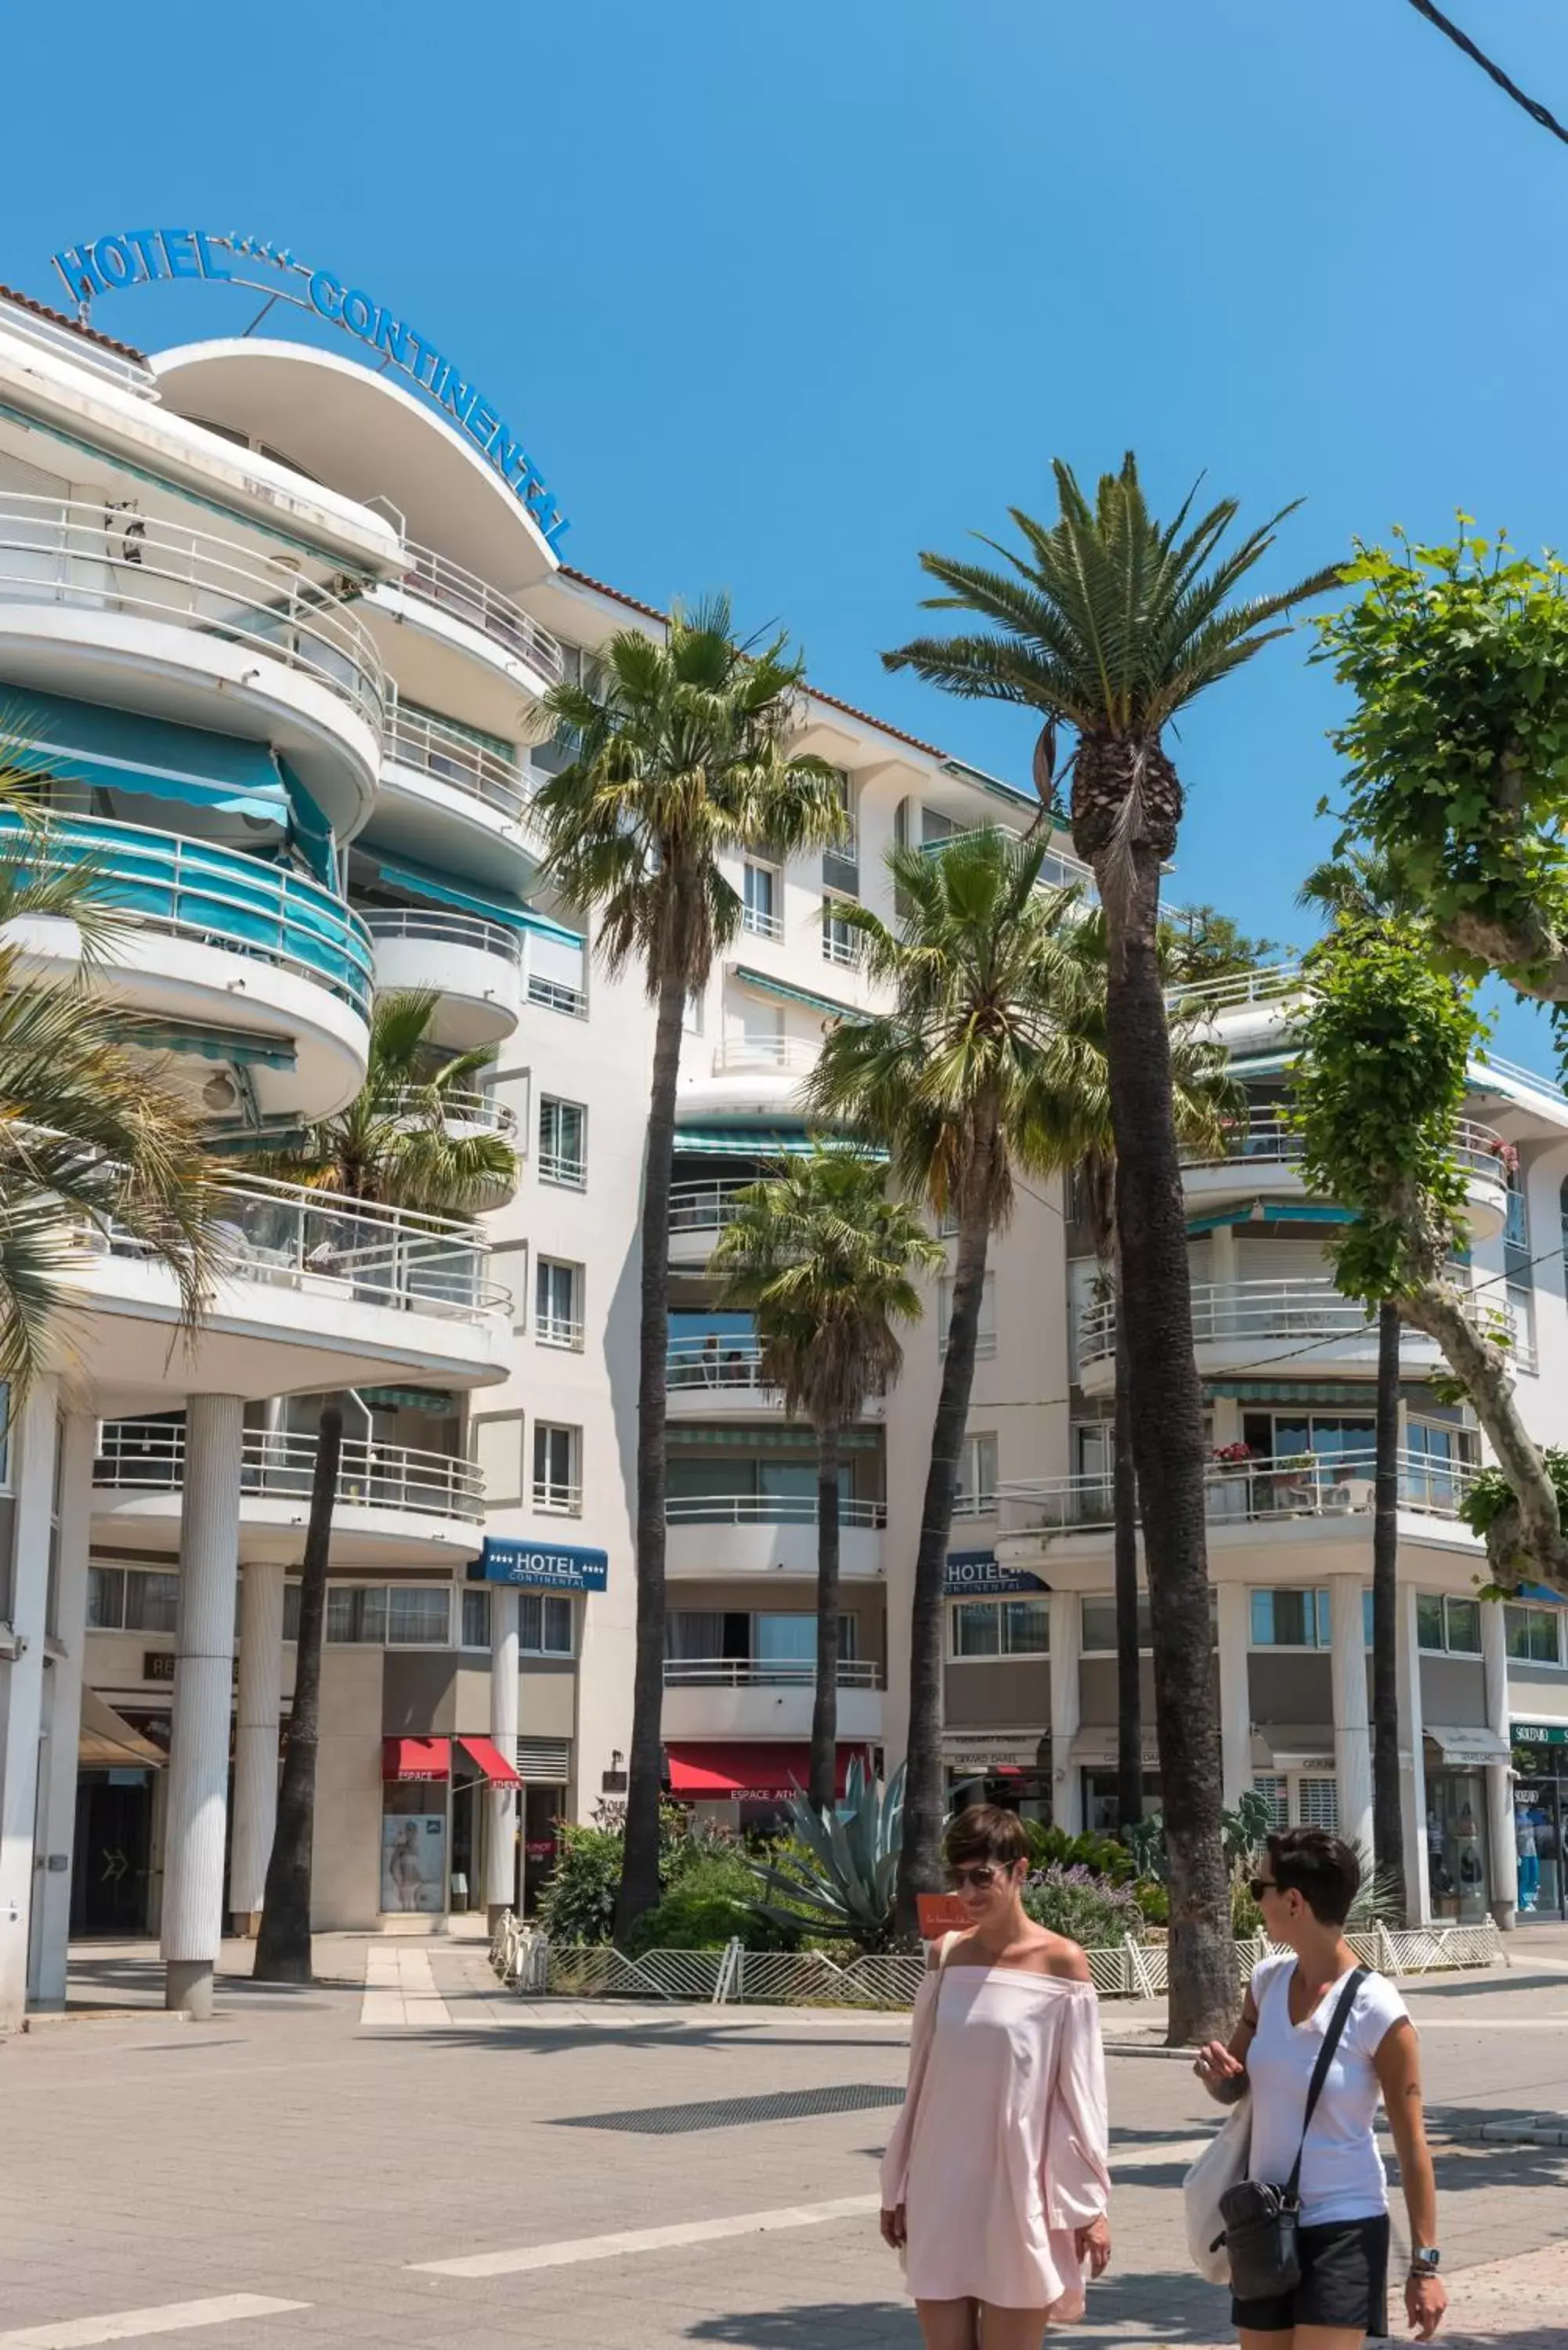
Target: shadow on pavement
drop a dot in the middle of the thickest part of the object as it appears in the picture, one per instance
(813, 2326)
(552, 2040)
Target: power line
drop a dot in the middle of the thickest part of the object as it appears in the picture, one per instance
(1461, 40)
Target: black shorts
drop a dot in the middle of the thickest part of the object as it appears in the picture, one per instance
(1345, 2283)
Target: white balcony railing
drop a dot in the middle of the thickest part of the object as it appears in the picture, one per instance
(1057, 870)
(149, 1456)
(1334, 1485)
(786, 1672)
(1309, 1311)
(97, 556)
(760, 923)
(449, 757)
(565, 1168)
(437, 580)
(766, 1510)
(714, 1363)
(702, 1206)
(1266, 984)
(841, 945)
(739, 1054)
(558, 1498)
(559, 1330)
(1276, 1141)
(462, 1108)
(471, 930)
(555, 995)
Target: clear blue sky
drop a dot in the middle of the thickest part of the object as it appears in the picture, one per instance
(780, 296)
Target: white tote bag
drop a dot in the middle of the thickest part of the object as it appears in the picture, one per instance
(1221, 2163)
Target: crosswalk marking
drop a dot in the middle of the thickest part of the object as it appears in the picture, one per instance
(401, 1990)
(127, 2325)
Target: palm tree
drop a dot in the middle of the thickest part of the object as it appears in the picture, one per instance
(826, 1263)
(1110, 623)
(680, 759)
(392, 1144)
(963, 1081)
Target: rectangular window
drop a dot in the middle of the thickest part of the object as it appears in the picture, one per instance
(151, 1602)
(563, 1143)
(985, 1337)
(976, 1493)
(559, 1304)
(1001, 1627)
(419, 1616)
(1275, 1790)
(1447, 1627)
(557, 1469)
(1533, 1634)
(1290, 1619)
(291, 1611)
(545, 1624)
(476, 1618)
(1099, 1626)
(1317, 1805)
(1521, 1305)
(840, 939)
(105, 1599)
(760, 901)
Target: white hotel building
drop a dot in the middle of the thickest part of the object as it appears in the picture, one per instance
(283, 633)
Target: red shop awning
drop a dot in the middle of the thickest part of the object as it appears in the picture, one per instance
(416, 1758)
(492, 1764)
(710, 1769)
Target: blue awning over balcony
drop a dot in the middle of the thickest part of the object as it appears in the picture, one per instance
(310, 829)
(120, 750)
(471, 898)
(761, 1142)
(763, 983)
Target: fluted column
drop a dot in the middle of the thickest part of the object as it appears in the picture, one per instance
(1351, 1723)
(1412, 1764)
(501, 1843)
(78, 1440)
(1067, 1710)
(1235, 1692)
(258, 1711)
(1500, 1842)
(22, 1688)
(203, 1680)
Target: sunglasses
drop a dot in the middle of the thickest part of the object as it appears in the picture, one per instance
(982, 1877)
(1258, 1886)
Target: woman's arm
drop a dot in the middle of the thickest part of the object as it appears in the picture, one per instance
(1223, 2067)
(1397, 2065)
(1076, 2179)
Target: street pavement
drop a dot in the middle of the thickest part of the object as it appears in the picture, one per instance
(406, 2156)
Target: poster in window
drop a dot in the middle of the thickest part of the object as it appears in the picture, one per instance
(413, 1862)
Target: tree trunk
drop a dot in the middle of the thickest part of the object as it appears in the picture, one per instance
(1129, 1663)
(1387, 1818)
(822, 1781)
(640, 1868)
(1168, 1442)
(283, 1944)
(920, 1860)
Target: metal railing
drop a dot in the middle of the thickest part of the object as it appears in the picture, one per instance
(557, 1497)
(766, 1510)
(1057, 870)
(785, 1672)
(761, 923)
(445, 930)
(218, 896)
(436, 579)
(566, 1168)
(559, 1330)
(326, 1244)
(702, 1207)
(555, 995)
(1329, 1485)
(738, 1054)
(451, 756)
(841, 945)
(1265, 985)
(459, 1108)
(717, 1362)
(1244, 1311)
(149, 1456)
(1277, 1141)
(98, 556)
(1520, 1075)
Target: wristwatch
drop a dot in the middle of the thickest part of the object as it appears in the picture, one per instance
(1425, 2259)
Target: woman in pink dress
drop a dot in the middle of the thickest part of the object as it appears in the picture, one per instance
(994, 2183)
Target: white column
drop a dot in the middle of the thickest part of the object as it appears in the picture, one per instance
(258, 1711)
(22, 1691)
(1412, 1764)
(58, 1809)
(501, 1838)
(1235, 1693)
(1504, 1861)
(1066, 1711)
(1352, 1725)
(203, 1680)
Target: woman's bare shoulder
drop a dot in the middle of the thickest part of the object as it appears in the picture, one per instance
(1053, 1954)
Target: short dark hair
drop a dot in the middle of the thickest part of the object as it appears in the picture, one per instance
(1319, 1866)
(985, 1832)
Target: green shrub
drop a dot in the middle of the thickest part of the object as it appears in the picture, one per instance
(1054, 1845)
(1154, 1900)
(709, 1903)
(577, 1902)
(1087, 1908)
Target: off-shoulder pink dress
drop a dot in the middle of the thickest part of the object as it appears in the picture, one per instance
(1000, 2153)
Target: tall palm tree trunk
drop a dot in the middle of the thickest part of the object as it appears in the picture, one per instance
(283, 1944)
(822, 1776)
(1168, 1442)
(1129, 1663)
(640, 1868)
(1387, 1818)
(919, 1861)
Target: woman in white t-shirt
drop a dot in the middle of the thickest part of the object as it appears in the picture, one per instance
(1306, 1886)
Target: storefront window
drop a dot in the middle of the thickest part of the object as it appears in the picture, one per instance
(413, 1847)
(1290, 1619)
(1538, 1846)
(1102, 1809)
(1534, 1632)
(1455, 1844)
(1001, 1627)
(1099, 1626)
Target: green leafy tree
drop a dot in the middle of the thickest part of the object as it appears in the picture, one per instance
(826, 1263)
(963, 1081)
(396, 1144)
(1110, 624)
(680, 759)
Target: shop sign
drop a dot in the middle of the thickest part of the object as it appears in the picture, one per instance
(158, 1663)
(982, 1747)
(140, 256)
(561, 1568)
(979, 1575)
(1539, 1733)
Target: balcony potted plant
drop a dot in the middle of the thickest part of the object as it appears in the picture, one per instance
(1295, 1486)
(1231, 1485)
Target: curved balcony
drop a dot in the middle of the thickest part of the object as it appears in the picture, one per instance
(213, 935)
(436, 579)
(1250, 1493)
(1305, 1325)
(446, 769)
(394, 1502)
(723, 1374)
(1263, 1155)
(752, 1077)
(474, 967)
(713, 1697)
(459, 643)
(168, 617)
(729, 1535)
(698, 1214)
(468, 1116)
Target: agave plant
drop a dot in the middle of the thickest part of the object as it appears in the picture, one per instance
(837, 1874)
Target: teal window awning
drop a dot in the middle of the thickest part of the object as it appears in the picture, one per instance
(243, 1048)
(120, 750)
(762, 1142)
(1274, 1211)
(786, 992)
(471, 898)
(311, 830)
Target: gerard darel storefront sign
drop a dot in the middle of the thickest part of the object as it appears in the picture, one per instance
(142, 256)
(537, 1566)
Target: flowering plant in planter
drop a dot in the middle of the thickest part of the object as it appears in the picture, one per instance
(1232, 1456)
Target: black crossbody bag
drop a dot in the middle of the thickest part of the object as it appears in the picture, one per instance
(1261, 2233)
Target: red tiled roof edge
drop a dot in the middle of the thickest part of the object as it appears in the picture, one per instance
(73, 325)
(651, 611)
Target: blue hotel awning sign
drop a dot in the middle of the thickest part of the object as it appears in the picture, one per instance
(539, 1566)
(978, 1575)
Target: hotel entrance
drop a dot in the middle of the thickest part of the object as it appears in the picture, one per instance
(111, 1879)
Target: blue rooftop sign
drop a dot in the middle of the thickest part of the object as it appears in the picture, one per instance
(978, 1575)
(138, 256)
(560, 1567)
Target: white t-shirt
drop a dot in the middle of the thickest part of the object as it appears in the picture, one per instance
(1342, 2171)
